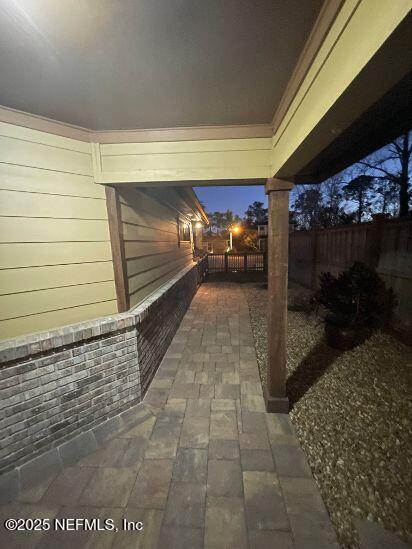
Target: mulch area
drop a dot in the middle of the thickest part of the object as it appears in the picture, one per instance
(352, 412)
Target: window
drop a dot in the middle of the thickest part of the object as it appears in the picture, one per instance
(262, 243)
(210, 247)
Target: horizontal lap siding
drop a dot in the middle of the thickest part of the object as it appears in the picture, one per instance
(55, 257)
(150, 235)
(186, 160)
(37, 254)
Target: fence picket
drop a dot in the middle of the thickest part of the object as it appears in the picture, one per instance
(234, 262)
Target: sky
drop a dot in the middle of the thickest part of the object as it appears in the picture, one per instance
(236, 198)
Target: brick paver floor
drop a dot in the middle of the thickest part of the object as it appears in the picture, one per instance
(204, 466)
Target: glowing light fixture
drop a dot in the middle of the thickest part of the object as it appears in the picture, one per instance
(234, 229)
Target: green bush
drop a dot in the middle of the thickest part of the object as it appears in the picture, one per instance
(356, 297)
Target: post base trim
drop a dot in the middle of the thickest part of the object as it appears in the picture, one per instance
(276, 405)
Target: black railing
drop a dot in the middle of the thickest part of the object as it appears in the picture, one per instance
(236, 262)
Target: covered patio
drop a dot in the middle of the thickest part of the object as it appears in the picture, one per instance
(327, 100)
(201, 464)
(108, 109)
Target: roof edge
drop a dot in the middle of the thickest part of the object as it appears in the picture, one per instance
(183, 133)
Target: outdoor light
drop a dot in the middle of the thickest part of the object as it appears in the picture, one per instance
(198, 225)
(234, 229)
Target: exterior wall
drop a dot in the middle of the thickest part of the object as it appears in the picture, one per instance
(198, 238)
(215, 246)
(385, 246)
(203, 160)
(56, 385)
(55, 256)
(263, 238)
(153, 250)
(263, 244)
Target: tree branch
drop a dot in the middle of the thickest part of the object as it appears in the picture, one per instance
(389, 175)
(398, 148)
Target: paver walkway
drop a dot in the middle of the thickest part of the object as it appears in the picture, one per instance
(204, 466)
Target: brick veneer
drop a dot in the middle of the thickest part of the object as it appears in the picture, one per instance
(56, 385)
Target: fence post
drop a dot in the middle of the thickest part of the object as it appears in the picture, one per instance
(245, 261)
(226, 263)
(265, 262)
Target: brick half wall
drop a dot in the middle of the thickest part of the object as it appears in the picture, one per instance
(56, 385)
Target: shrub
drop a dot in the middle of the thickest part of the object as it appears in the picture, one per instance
(356, 297)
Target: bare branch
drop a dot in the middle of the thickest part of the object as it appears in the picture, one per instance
(389, 175)
(398, 148)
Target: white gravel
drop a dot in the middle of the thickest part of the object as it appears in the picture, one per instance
(353, 415)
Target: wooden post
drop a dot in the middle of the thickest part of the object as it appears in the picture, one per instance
(199, 238)
(278, 241)
(245, 261)
(118, 252)
(226, 263)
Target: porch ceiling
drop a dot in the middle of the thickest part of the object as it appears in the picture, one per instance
(110, 64)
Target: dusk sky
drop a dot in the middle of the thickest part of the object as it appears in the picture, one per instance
(236, 199)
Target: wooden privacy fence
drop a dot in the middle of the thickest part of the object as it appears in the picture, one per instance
(235, 262)
(384, 245)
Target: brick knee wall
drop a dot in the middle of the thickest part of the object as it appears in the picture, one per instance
(55, 385)
(52, 396)
(156, 331)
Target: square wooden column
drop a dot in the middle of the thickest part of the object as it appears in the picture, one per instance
(278, 247)
(114, 216)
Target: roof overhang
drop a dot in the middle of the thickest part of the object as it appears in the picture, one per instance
(373, 110)
(348, 95)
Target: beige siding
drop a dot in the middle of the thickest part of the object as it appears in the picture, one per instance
(184, 160)
(151, 243)
(345, 51)
(55, 257)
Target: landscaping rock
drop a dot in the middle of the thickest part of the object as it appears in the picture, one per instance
(352, 413)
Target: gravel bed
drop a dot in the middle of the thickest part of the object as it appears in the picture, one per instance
(352, 413)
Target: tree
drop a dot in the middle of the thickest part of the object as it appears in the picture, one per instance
(358, 190)
(221, 221)
(256, 215)
(307, 207)
(387, 196)
(331, 211)
(247, 240)
(391, 167)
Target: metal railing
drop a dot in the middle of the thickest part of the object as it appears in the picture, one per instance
(236, 262)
